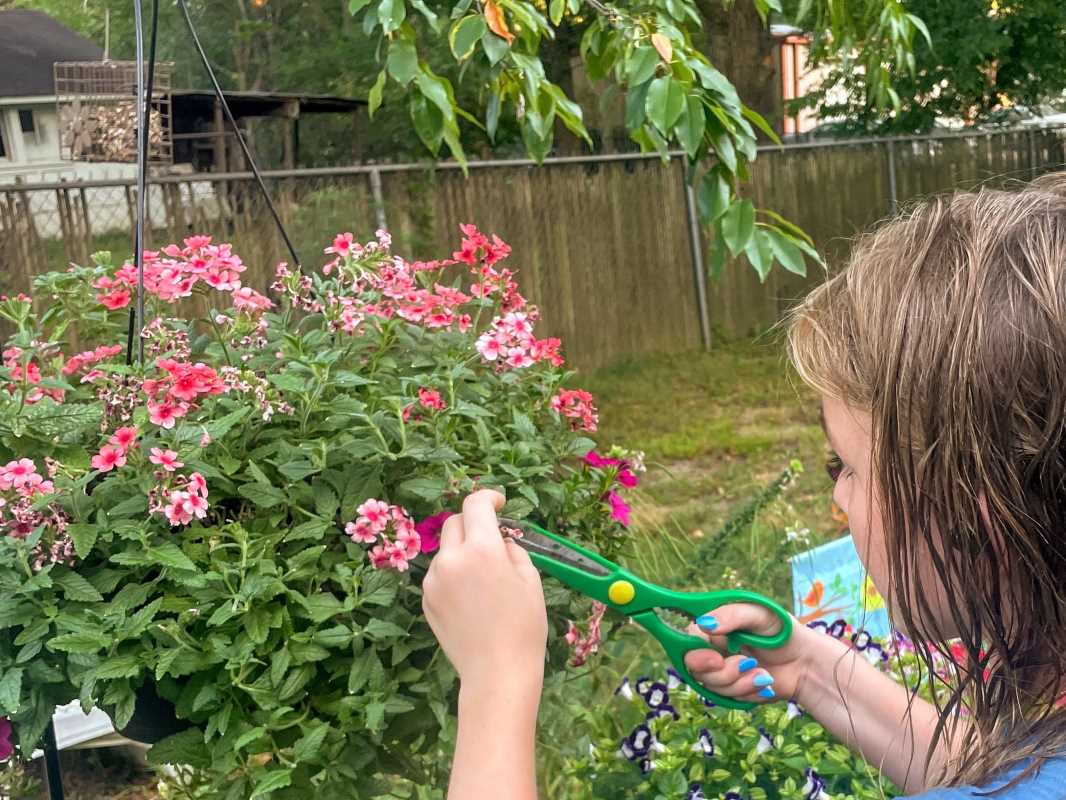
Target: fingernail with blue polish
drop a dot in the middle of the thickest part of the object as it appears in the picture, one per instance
(763, 679)
(768, 693)
(747, 665)
(707, 621)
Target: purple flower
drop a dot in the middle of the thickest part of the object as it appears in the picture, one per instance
(838, 628)
(656, 695)
(766, 741)
(733, 796)
(695, 792)
(794, 710)
(708, 703)
(705, 743)
(673, 679)
(814, 789)
(646, 766)
(624, 689)
(640, 740)
(665, 710)
(6, 748)
(642, 685)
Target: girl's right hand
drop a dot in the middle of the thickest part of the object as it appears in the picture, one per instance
(754, 675)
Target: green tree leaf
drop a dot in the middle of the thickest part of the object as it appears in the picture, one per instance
(374, 97)
(391, 14)
(786, 251)
(186, 747)
(640, 66)
(666, 101)
(691, 125)
(10, 691)
(738, 225)
(84, 537)
(403, 61)
(465, 34)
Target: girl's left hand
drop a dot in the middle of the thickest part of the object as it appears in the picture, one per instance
(483, 599)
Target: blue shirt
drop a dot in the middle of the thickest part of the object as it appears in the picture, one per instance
(1047, 784)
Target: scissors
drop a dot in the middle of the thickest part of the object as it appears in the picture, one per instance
(620, 590)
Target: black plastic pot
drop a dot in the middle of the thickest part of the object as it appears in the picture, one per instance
(154, 717)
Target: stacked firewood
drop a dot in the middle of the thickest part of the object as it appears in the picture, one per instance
(107, 131)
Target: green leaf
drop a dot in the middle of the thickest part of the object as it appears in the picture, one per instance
(124, 666)
(76, 588)
(382, 629)
(279, 665)
(170, 555)
(760, 253)
(84, 537)
(391, 13)
(640, 66)
(322, 605)
(81, 642)
(10, 691)
(465, 34)
(666, 101)
(760, 122)
(186, 747)
(262, 496)
(296, 471)
(428, 122)
(717, 257)
(275, 779)
(312, 529)
(712, 196)
(691, 126)
(248, 737)
(424, 488)
(307, 748)
(375, 715)
(738, 225)
(723, 145)
(431, 17)
(373, 100)
(786, 251)
(495, 47)
(403, 61)
(355, 6)
(555, 11)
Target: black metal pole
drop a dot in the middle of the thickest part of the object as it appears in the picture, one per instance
(53, 776)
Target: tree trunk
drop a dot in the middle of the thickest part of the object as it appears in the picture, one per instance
(741, 47)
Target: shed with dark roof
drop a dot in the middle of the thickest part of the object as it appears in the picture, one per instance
(31, 42)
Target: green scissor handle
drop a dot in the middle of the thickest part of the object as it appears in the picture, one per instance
(627, 594)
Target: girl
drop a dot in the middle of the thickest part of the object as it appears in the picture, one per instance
(939, 353)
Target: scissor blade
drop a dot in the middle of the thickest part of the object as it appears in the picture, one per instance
(536, 542)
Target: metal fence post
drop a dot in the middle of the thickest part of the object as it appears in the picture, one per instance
(696, 246)
(379, 198)
(1032, 154)
(893, 200)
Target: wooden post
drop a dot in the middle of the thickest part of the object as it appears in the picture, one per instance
(700, 273)
(219, 126)
(86, 225)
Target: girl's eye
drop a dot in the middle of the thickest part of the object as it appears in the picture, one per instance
(834, 467)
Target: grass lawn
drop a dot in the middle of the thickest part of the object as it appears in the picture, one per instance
(717, 428)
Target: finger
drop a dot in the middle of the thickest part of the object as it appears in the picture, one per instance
(452, 534)
(479, 518)
(733, 675)
(520, 558)
(739, 617)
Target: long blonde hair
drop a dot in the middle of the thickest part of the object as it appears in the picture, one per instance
(948, 325)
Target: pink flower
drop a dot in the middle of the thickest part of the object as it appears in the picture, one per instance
(379, 556)
(197, 484)
(176, 512)
(247, 299)
(376, 514)
(165, 414)
(123, 438)
(361, 532)
(576, 404)
(17, 473)
(205, 440)
(410, 542)
(430, 398)
(619, 508)
(489, 347)
(167, 459)
(429, 530)
(398, 558)
(342, 244)
(626, 478)
(115, 300)
(108, 458)
(587, 644)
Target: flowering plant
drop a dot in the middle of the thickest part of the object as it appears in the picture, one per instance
(240, 522)
(659, 739)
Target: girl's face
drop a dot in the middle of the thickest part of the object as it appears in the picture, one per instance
(848, 431)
